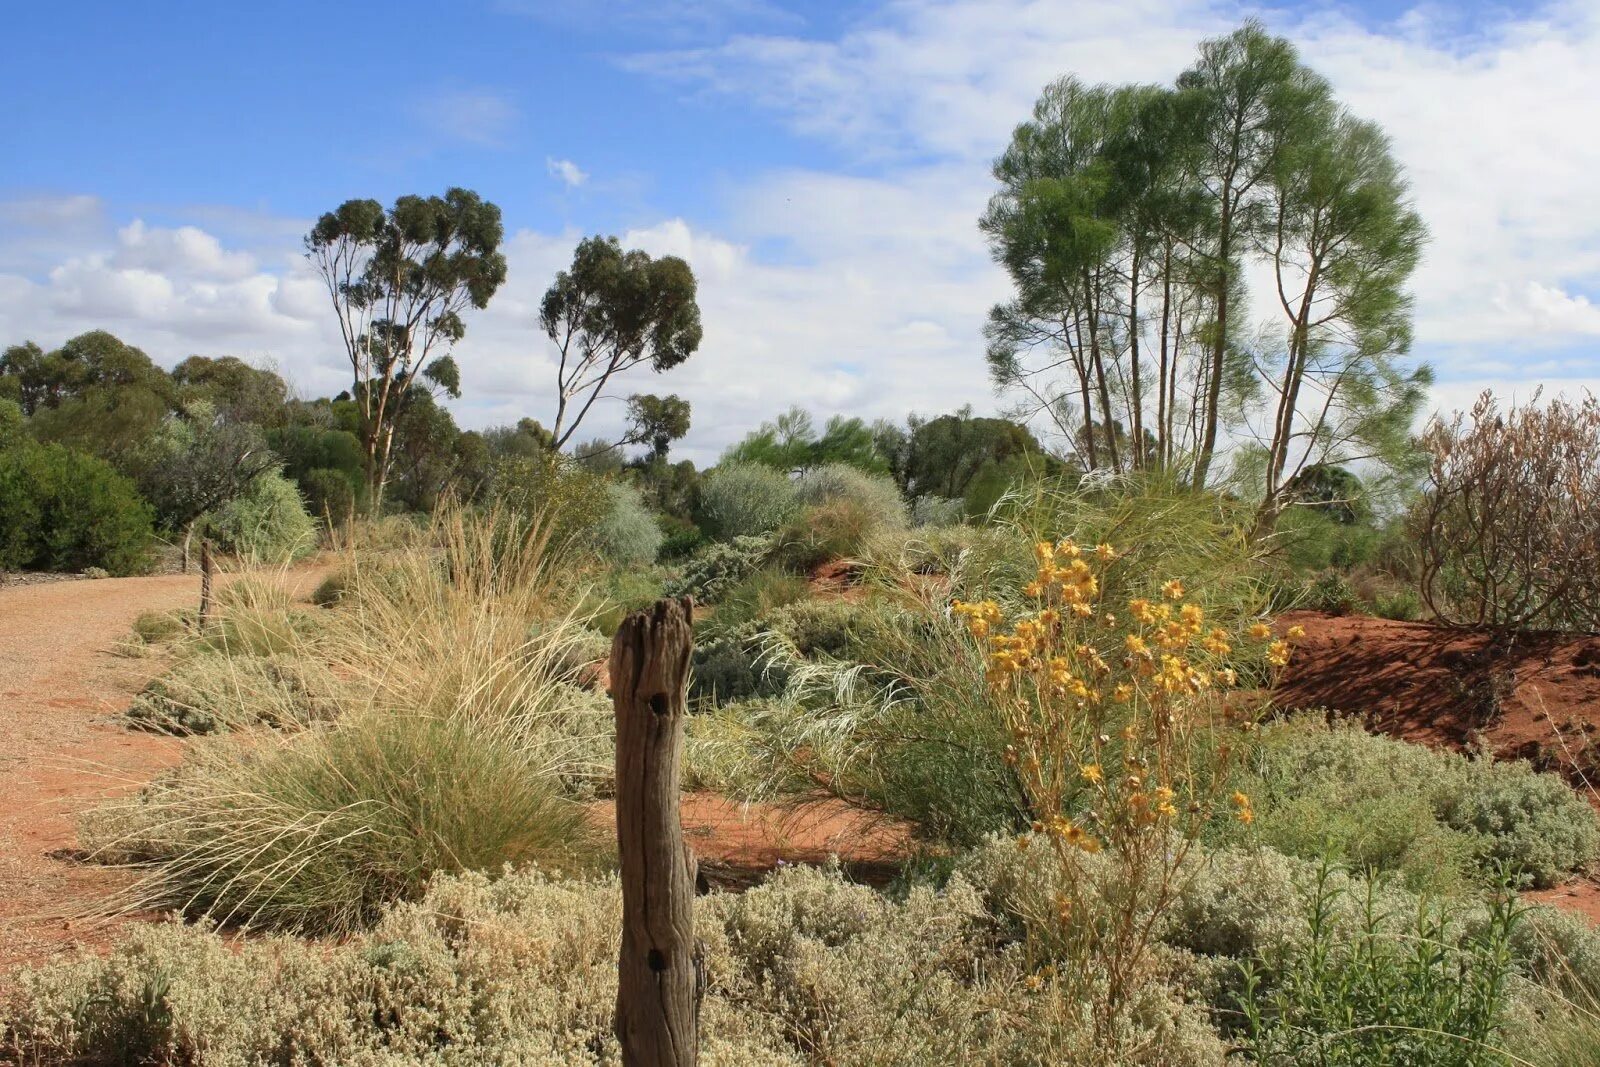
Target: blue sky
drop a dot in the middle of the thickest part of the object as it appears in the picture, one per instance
(821, 165)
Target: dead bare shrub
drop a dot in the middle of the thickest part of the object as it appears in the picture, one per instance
(1508, 530)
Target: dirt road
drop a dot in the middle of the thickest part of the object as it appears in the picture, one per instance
(63, 685)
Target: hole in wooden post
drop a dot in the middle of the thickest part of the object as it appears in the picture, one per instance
(658, 703)
(658, 960)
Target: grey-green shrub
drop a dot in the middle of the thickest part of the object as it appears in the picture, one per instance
(746, 499)
(268, 522)
(874, 493)
(718, 567)
(1436, 818)
(816, 627)
(627, 533)
(804, 969)
(932, 510)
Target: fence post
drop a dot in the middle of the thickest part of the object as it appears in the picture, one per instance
(205, 583)
(658, 986)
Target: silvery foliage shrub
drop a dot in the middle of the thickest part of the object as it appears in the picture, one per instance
(1535, 823)
(267, 522)
(875, 494)
(930, 510)
(804, 969)
(719, 567)
(627, 532)
(746, 499)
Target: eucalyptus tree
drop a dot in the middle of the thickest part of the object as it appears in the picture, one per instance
(610, 312)
(400, 282)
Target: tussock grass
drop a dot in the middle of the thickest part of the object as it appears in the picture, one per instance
(453, 741)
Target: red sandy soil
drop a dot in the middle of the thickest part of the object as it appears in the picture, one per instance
(62, 746)
(1533, 697)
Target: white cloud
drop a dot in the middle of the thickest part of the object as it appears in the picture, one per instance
(566, 172)
(476, 116)
(864, 288)
(1485, 124)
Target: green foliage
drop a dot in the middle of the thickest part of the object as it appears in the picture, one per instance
(836, 530)
(159, 627)
(627, 534)
(240, 392)
(745, 500)
(610, 312)
(967, 458)
(1434, 997)
(1332, 592)
(571, 500)
(268, 522)
(657, 421)
(718, 567)
(1436, 819)
(63, 510)
(791, 443)
(816, 627)
(424, 260)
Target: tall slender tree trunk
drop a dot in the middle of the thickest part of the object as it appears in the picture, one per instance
(1133, 343)
(1100, 372)
(1163, 415)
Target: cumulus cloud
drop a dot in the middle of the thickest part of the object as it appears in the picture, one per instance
(862, 287)
(1482, 120)
(566, 172)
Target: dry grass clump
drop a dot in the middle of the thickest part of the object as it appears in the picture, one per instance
(806, 969)
(209, 693)
(452, 742)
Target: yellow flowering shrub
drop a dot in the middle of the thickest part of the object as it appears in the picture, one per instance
(1122, 720)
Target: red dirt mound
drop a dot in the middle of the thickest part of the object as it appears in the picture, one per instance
(1526, 696)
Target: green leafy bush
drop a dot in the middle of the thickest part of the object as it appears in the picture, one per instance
(1436, 819)
(1332, 592)
(268, 522)
(816, 627)
(1432, 999)
(720, 566)
(745, 500)
(627, 534)
(571, 500)
(1534, 823)
(63, 510)
(330, 496)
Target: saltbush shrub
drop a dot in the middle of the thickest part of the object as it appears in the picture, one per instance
(816, 627)
(1436, 819)
(267, 523)
(804, 969)
(63, 510)
(745, 500)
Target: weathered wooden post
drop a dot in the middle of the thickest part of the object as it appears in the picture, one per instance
(658, 999)
(205, 584)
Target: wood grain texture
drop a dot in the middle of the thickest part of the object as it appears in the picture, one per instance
(658, 990)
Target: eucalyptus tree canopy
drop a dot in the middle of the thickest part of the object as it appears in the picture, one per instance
(400, 281)
(610, 312)
(657, 421)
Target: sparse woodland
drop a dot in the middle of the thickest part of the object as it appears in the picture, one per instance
(1043, 647)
